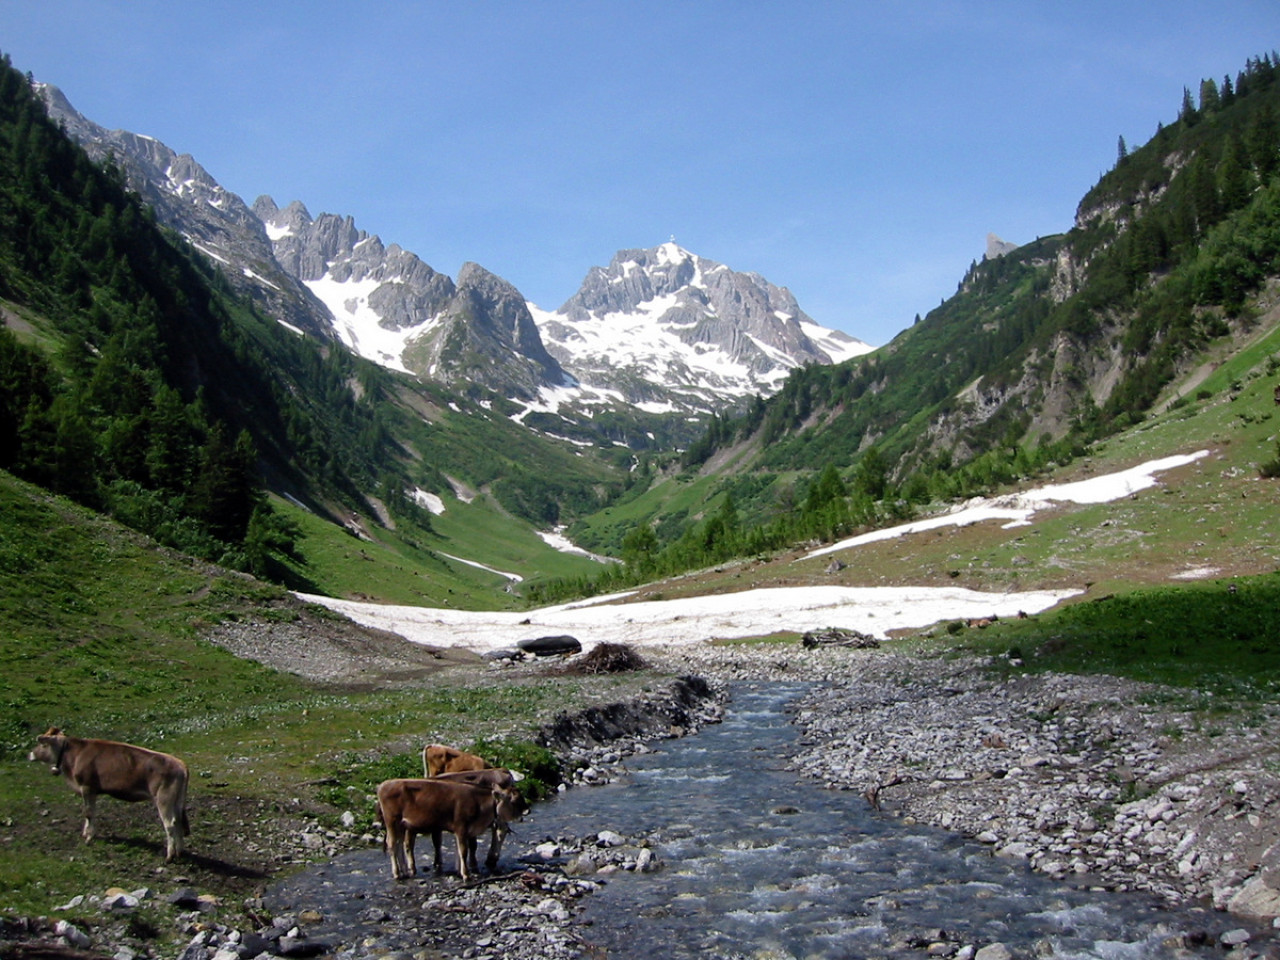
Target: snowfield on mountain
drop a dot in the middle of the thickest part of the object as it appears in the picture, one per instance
(870, 610)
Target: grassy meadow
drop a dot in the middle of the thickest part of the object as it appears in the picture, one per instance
(102, 637)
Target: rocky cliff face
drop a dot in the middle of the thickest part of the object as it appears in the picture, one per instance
(660, 329)
(391, 307)
(485, 334)
(191, 202)
(666, 324)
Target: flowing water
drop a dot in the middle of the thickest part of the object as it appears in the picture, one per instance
(759, 863)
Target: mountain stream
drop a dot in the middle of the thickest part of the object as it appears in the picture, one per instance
(759, 863)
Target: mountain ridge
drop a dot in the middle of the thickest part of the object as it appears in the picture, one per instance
(327, 278)
(666, 315)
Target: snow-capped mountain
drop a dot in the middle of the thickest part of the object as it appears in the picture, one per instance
(665, 326)
(390, 307)
(215, 221)
(660, 330)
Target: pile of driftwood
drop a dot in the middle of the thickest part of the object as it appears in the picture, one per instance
(838, 637)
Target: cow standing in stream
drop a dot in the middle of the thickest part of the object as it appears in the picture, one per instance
(408, 807)
(123, 771)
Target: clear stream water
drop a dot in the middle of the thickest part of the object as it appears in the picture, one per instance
(760, 863)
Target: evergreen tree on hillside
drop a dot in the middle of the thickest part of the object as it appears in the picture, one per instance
(154, 393)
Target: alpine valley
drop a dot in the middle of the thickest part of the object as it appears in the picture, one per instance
(673, 412)
(208, 407)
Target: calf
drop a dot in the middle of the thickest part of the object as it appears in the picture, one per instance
(438, 759)
(123, 771)
(489, 777)
(409, 807)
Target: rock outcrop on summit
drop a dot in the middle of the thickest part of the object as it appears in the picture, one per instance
(659, 331)
(698, 331)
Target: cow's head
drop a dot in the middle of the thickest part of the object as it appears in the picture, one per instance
(49, 747)
(511, 806)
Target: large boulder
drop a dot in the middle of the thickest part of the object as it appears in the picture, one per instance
(551, 646)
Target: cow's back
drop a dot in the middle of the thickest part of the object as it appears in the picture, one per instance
(424, 805)
(124, 771)
(438, 758)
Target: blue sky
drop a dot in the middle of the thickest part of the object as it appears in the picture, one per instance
(857, 153)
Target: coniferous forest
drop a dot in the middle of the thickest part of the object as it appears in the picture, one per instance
(166, 402)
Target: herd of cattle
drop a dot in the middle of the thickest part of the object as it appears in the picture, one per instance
(459, 793)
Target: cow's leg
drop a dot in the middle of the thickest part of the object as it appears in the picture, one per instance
(170, 804)
(394, 851)
(88, 800)
(411, 862)
(500, 832)
(463, 851)
(435, 843)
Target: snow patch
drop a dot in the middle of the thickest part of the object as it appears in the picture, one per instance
(1018, 508)
(358, 325)
(429, 500)
(872, 610)
(513, 577)
(556, 539)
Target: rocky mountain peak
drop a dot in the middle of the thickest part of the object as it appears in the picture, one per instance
(997, 248)
(660, 326)
(188, 200)
(700, 332)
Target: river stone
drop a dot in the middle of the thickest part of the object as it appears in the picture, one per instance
(1257, 900)
(553, 908)
(993, 951)
(1233, 938)
(582, 866)
(301, 947)
(119, 903)
(1018, 849)
(74, 936)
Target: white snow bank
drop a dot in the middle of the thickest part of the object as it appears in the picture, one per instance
(1018, 508)
(513, 577)
(749, 613)
(429, 500)
(558, 541)
(872, 610)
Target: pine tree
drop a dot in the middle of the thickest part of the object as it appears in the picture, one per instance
(1187, 113)
(1209, 100)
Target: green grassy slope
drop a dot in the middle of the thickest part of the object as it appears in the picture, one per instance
(102, 636)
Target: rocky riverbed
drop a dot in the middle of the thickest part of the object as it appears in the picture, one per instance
(1120, 784)
(1109, 783)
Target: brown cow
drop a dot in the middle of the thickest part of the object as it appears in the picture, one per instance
(489, 777)
(123, 771)
(438, 759)
(409, 807)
